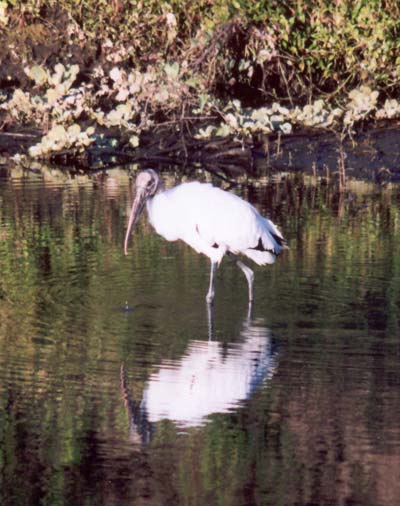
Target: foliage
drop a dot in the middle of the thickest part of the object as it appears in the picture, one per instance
(290, 49)
(59, 138)
(135, 64)
(130, 93)
(361, 103)
(324, 45)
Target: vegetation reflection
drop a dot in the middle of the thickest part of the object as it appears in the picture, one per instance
(329, 414)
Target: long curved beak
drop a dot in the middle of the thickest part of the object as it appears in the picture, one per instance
(137, 208)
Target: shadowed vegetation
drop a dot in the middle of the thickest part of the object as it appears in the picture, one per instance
(293, 50)
(84, 71)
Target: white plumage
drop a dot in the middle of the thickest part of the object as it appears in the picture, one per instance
(210, 220)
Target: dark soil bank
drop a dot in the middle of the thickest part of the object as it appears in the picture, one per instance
(373, 154)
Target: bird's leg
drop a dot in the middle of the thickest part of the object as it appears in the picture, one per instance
(210, 294)
(210, 319)
(250, 310)
(247, 272)
(249, 276)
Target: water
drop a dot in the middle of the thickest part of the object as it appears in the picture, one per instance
(117, 387)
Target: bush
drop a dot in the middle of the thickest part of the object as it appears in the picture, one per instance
(295, 51)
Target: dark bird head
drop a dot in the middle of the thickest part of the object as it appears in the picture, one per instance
(147, 184)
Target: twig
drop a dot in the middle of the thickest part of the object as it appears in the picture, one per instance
(231, 152)
(286, 82)
(342, 169)
(11, 134)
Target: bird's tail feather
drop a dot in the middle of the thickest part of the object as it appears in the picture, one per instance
(260, 257)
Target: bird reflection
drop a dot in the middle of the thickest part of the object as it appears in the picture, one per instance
(209, 378)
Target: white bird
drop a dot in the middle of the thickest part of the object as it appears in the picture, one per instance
(210, 220)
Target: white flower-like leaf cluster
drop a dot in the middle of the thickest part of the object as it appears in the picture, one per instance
(59, 138)
(244, 122)
(135, 93)
(131, 100)
(3, 13)
(362, 102)
(315, 115)
(59, 102)
(390, 109)
(276, 118)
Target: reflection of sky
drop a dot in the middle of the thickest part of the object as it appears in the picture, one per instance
(209, 379)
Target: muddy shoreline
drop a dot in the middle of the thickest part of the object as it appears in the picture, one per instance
(373, 154)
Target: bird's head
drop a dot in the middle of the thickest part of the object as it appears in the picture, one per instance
(147, 184)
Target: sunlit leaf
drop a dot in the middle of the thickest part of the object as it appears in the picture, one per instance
(74, 129)
(3, 13)
(172, 70)
(134, 141)
(224, 130)
(37, 74)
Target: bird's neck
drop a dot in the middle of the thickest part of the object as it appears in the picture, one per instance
(160, 187)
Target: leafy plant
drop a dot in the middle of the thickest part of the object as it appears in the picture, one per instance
(316, 63)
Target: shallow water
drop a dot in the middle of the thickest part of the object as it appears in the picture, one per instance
(118, 387)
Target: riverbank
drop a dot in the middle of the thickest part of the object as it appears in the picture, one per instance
(372, 155)
(179, 82)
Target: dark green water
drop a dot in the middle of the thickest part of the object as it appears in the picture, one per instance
(117, 387)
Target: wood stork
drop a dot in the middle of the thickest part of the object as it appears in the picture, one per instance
(208, 219)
